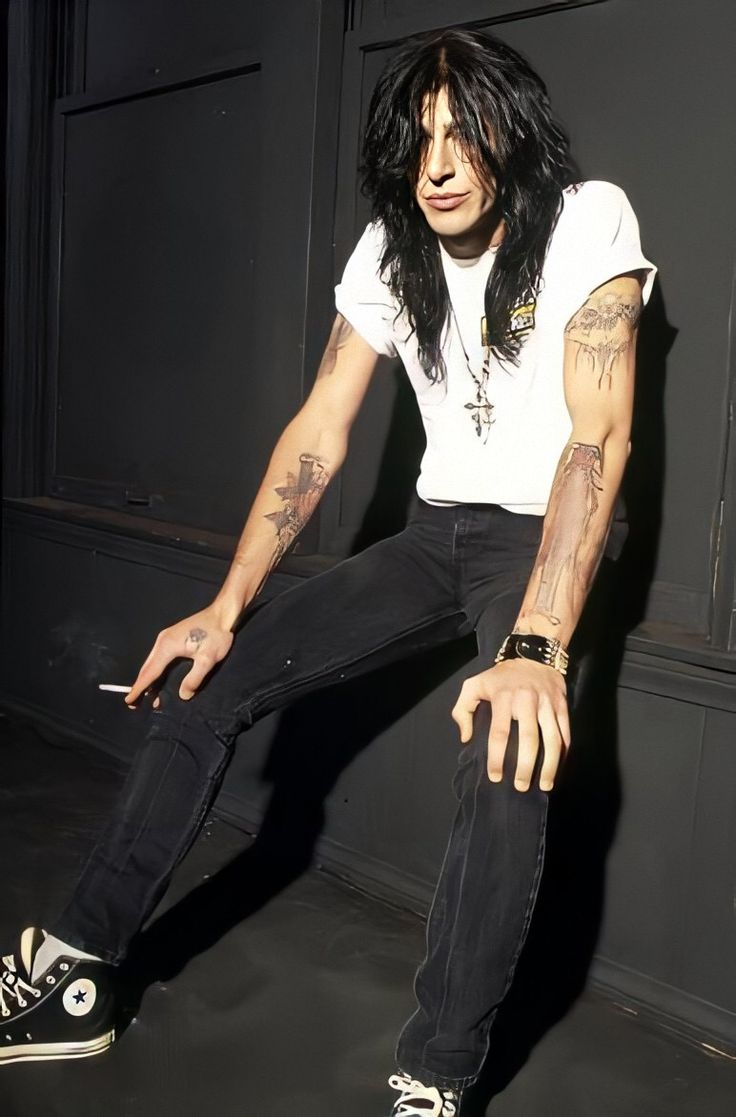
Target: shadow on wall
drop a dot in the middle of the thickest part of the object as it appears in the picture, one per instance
(310, 751)
(644, 480)
(387, 511)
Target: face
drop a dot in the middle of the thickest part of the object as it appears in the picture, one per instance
(456, 204)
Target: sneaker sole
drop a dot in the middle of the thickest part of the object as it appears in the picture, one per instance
(33, 1052)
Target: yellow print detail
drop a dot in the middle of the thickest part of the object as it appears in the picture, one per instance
(522, 318)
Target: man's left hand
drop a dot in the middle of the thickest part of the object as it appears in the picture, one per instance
(530, 693)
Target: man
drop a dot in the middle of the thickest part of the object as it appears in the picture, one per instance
(512, 296)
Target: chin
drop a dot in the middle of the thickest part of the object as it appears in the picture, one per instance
(449, 223)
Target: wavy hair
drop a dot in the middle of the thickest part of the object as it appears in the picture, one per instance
(506, 130)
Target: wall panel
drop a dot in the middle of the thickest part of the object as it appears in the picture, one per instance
(647, 873)
(708, 962)
(627, 125)
(134, 39)
(156, 303)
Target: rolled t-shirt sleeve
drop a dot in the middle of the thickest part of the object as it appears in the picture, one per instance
(363, 298)
(605, 235)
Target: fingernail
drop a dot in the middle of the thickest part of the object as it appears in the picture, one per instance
(495, 777)
(520, 785)
(546, 785)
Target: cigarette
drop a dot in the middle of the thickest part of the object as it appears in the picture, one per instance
(116, 687)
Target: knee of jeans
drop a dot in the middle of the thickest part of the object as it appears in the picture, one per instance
(472, 763)
(167, 689)
(206, 708)
(471, 773)
(168, 692)
(195, 728)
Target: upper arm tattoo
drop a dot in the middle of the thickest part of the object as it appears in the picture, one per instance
(339, 334)
(604, 329)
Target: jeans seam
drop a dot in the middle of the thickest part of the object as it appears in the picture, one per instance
(205, 804)
(149, 812)
(254, 701)
(448, 847)
(115, 872)
(441, 1009)
(531, 903)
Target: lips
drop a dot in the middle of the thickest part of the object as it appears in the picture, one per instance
(445, 201)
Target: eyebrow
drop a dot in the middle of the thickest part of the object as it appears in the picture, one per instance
(448, 127)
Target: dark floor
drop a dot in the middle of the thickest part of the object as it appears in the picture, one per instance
(260, 994)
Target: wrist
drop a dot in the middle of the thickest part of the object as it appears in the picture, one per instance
(227, 608)
(243, 582)
(541, 649)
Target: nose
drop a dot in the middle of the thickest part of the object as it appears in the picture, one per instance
(438, 166)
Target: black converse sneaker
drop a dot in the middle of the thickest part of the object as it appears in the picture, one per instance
(417, 1100)
(64, 1013)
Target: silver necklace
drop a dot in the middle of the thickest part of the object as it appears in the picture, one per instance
(481, 408)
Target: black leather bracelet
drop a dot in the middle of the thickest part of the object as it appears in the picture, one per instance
(542, 649)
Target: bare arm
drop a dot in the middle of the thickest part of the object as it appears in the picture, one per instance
(307, 455)
(600, 344)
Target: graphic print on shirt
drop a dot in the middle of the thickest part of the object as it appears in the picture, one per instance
(522, 318)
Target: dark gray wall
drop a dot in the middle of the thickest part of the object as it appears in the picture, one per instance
(166, 320)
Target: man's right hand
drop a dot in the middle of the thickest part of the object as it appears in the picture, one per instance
(205, 638)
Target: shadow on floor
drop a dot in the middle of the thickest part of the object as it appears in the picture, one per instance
(309, 753)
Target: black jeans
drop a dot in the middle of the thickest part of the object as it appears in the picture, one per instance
(451, 570)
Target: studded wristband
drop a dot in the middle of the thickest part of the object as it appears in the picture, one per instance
(542, 649)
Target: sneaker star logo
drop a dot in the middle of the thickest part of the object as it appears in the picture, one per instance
(80, 996)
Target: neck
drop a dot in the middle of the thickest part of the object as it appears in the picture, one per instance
(474, 243)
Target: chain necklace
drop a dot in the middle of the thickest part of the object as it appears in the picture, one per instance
(481, 408)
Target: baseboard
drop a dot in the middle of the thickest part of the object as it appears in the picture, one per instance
(683, 1013)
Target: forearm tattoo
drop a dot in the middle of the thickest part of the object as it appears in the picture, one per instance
(300, 496)
(604, 330)
(339, 334)
(570, 550)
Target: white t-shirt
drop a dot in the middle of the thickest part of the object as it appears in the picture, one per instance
(511, 460)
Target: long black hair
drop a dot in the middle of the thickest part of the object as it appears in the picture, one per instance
(506, 129)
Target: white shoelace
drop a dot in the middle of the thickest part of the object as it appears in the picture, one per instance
(441, 1102)
(11, 985)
